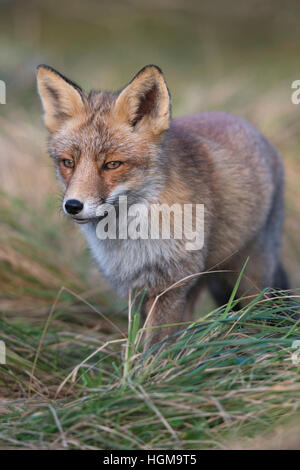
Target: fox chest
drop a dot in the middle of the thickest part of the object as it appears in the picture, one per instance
(135, 264)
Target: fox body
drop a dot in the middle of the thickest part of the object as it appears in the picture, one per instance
(108, 145)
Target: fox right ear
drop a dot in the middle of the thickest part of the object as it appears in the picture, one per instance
(61, 98)
(144, 104)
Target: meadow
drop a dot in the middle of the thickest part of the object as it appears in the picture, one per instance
(76, 375)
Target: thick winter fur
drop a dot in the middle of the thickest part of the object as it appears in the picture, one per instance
(213, 158)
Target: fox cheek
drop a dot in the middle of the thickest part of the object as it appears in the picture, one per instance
(64, 175)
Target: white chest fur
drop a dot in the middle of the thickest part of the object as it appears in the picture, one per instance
(130, 264)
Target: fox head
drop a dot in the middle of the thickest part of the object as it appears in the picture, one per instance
(105, 144)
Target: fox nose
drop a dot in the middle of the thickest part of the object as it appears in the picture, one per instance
(73, 206)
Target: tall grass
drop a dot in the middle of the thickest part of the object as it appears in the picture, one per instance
(226, 376)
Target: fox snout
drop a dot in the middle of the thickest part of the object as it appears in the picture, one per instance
(73, 206)
(83, 209)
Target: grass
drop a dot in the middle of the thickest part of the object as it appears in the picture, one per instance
(228, 376)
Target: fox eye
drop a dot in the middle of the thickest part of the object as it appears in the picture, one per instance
(68, 163)
(112, 165)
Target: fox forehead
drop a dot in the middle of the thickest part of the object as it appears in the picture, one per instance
(78, 136)
(90, 132)
(95, 133)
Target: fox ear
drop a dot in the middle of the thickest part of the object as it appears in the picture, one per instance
(145, 101)
(61, 98)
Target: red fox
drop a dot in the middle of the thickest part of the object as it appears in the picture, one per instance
(111, 144)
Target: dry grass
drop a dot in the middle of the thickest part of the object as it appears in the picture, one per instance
(227, 378)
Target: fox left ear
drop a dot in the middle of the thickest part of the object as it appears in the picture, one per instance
(145, 102)
(61, 98)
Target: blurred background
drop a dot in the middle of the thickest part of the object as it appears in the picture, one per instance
(240, 57)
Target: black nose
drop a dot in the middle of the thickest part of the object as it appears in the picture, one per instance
(73, 206)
